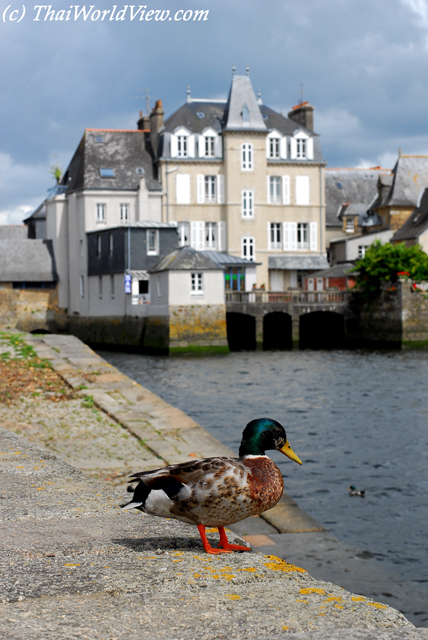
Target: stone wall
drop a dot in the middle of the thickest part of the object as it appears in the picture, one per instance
(30, 309)
(197, 328)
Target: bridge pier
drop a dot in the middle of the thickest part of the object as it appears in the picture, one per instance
(259, 331)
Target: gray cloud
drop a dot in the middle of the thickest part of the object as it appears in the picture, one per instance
(362, 64)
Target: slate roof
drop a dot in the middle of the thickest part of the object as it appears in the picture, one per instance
(124, 151)
(27, 261)
(300, 262)
(242, 97)
(410, 176)
(416, 223)
(139, 224)
(338, 271)
(342, 186)
(186, 116)
(185, 258)
(38, 214)
(227, 260)
(13, 232)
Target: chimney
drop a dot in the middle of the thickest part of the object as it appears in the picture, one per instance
(303, 113)
(143, 123)
(156, 124)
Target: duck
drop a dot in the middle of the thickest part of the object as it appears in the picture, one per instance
(356, 492)
(219, 491)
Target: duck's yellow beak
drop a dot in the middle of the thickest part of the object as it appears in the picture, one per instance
(288, 451)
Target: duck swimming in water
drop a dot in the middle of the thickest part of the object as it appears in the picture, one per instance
(215, 492)
(356, 492)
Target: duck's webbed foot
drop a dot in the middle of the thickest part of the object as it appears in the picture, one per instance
(225, 544)
(208, 548)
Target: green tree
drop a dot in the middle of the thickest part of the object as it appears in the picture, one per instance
(386, 262)
(56, 170)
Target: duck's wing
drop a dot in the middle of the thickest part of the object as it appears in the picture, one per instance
(173, 478)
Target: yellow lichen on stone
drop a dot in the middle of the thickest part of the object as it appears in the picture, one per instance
(248, 569)
(377, 605)
(277, 564)
(213, 530)
(304, 601)
(334, 599)
(339, 606)
(232, 596)
(358, 598)
(312, 590)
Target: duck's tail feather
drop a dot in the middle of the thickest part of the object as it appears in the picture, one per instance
(131, 505)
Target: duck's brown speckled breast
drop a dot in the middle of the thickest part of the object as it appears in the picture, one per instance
(265, 482)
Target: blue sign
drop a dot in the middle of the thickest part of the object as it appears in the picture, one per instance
(128, 283)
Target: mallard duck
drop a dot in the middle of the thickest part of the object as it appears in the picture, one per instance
(216, 492)
(356, 492)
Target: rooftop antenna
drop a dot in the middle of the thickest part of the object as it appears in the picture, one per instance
(147, 99)
(189, 97)
(233, 69)
(301, 93)
(247, 70)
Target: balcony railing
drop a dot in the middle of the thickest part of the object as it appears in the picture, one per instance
(143, 298)
(296, 297)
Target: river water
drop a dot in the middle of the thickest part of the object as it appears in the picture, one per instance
(353, 417)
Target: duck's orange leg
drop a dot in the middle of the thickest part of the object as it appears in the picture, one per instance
(208, 548)
(225, 545)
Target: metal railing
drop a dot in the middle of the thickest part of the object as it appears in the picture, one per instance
(143, 298)
(296, 297)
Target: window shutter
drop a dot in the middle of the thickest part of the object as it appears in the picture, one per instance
(268, 189)
(269, 243)
(313, 236)
(191, 146)
(174, 149)
(220, 189)
(286, 236)
(183, 188)
(193, 235)
(200, 189)
(293, 236)
(302, 190)
(200, 236)
(293, 148)
(285, 189)
(222, 236)
(283, 148)
(310, 148)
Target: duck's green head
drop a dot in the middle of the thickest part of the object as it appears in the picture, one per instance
(262, 435)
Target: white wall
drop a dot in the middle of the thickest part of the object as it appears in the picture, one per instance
(178, 285)
(57, 231)
(366, 241)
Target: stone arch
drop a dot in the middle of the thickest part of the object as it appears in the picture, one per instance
(277, 331)
(241, 331)
(322, 330)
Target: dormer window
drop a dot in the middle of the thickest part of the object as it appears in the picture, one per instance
(99, 139)
(274, 148)
(245, 114)
(182, 146)
(301, 148)
(209, 146)
(107, 173)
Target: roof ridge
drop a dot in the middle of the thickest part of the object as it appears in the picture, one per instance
(119, 130)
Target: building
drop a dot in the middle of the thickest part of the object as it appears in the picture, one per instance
(242, 178)
(338, 278)
(415, 229)
(353, 247)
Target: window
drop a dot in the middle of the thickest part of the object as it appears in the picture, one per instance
(112, 286)
(107, 173)
(302, 235)
(234, 279)
(182, 146)
(110, 244)
(210, 190)
(247, 248)
(100, 286)
(302, 190)
(82, 286)
(143, 287)
(124, 212)
(247, 157)
(210, 235)
(209, 146)
(301, 148)
(196, 284)
(362, 251)
(274, 148)
(152, 242)
(98, 139)
(183, 229)
(98, 246)
(274, 193)
(101, 212)
(247, 204)
(350, 225)
(275, 235)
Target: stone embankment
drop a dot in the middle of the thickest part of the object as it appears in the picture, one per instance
(75, 566)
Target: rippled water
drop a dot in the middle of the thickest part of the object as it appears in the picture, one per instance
(353, 417)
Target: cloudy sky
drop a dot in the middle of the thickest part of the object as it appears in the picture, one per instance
(363, 65)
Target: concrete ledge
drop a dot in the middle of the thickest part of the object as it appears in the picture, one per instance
(76, 566)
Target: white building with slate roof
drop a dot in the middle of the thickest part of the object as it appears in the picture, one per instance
(242, 178)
